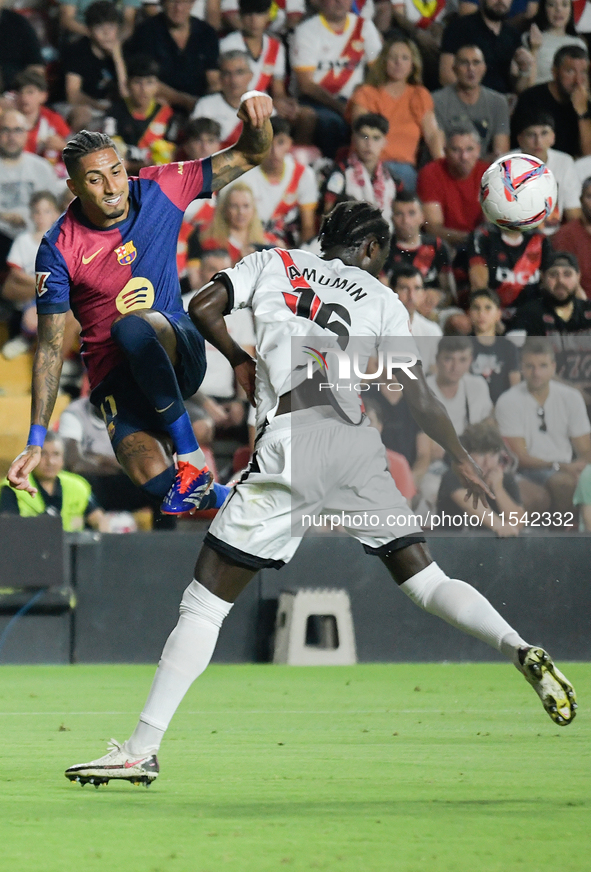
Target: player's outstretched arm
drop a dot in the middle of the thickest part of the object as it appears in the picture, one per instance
(253, 145)
(431, 416)
(206, 311)
(47, 367)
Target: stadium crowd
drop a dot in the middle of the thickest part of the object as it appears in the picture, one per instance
(400, 104)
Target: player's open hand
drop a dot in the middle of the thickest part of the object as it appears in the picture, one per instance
(25, 463)
(255, 108)
(472, 479)
(245, 376)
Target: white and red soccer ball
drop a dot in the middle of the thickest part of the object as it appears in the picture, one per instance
(518, 192)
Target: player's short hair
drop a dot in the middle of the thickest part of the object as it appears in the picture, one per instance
(280, 126)
(534, 119)
(141, 66)
(462, 128)
(373, 120)
(253, 7)
(482, 438)
(575, 52)
(83, 143)
(451, 344)
(350, 223)
(403, 271)
(30, 78)
(406, 197)
(38, 196)
(101, 12)
(198, 127)
(488, 293)
(538, 345)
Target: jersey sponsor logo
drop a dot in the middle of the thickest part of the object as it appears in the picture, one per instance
(180, 168)
(86, 260)
(138, 293)
(41, 283)
(126, 253)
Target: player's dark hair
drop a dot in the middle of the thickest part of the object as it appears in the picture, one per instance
(30, 78)
(488, 293)
(451, 344)
(141, 66)
(83, 143)
(101, 12)
(575, 52)
(280, 126)
(253, 7)
(38, 196)
(406, 197)
(537, 345)
(403, 271)
(534, 119)
(373, 120)
(349, 224)
(482, 438)
(198, 127)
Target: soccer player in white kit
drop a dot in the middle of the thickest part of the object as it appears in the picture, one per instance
(295, 298)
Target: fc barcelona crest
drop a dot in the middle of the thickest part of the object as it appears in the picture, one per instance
(126, 254)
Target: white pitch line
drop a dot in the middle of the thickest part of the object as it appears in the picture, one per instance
(395, 711)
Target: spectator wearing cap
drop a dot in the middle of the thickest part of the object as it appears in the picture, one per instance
(508, 63)
(449, 187)
(565, 98)
(575, 237)
(562, 307)
(535, 135)
(186, 49)
(468, 99)
(362, 175)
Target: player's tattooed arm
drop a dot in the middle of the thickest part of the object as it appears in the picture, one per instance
(47, 367)
(431, 416)
(253, 145)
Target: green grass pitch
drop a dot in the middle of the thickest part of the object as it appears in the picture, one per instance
(373, 768)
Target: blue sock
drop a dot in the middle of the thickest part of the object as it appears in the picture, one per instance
(160, 484)
(183, 435)
(221, 492)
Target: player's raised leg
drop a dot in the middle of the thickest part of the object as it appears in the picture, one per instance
(186, 654)
(149, 343)
(461, 605)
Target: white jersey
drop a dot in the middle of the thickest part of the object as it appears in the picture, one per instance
(305, 308)
(268, 66)
(297, 187)
(216, 107)
(337, 60)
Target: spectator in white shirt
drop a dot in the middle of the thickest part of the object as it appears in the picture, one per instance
(407, 282)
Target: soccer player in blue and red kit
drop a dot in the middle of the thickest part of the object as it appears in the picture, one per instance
(112, 258)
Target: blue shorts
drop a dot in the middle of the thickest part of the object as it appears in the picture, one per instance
(122, 403)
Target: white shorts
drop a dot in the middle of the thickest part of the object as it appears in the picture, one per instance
(310, 465)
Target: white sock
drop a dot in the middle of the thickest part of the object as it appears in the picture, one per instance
(196, 458)
(185, 656)
(463, 607)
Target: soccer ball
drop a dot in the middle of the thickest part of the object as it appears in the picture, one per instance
(518, 192)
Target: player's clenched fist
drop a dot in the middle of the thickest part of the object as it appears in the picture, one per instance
(255, 108)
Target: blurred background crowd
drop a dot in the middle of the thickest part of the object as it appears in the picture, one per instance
(402, 104)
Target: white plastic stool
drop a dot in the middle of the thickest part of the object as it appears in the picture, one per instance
(314, 628)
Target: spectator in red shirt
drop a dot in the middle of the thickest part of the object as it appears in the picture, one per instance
(449, 187)
(575, 236)
(48, 132)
